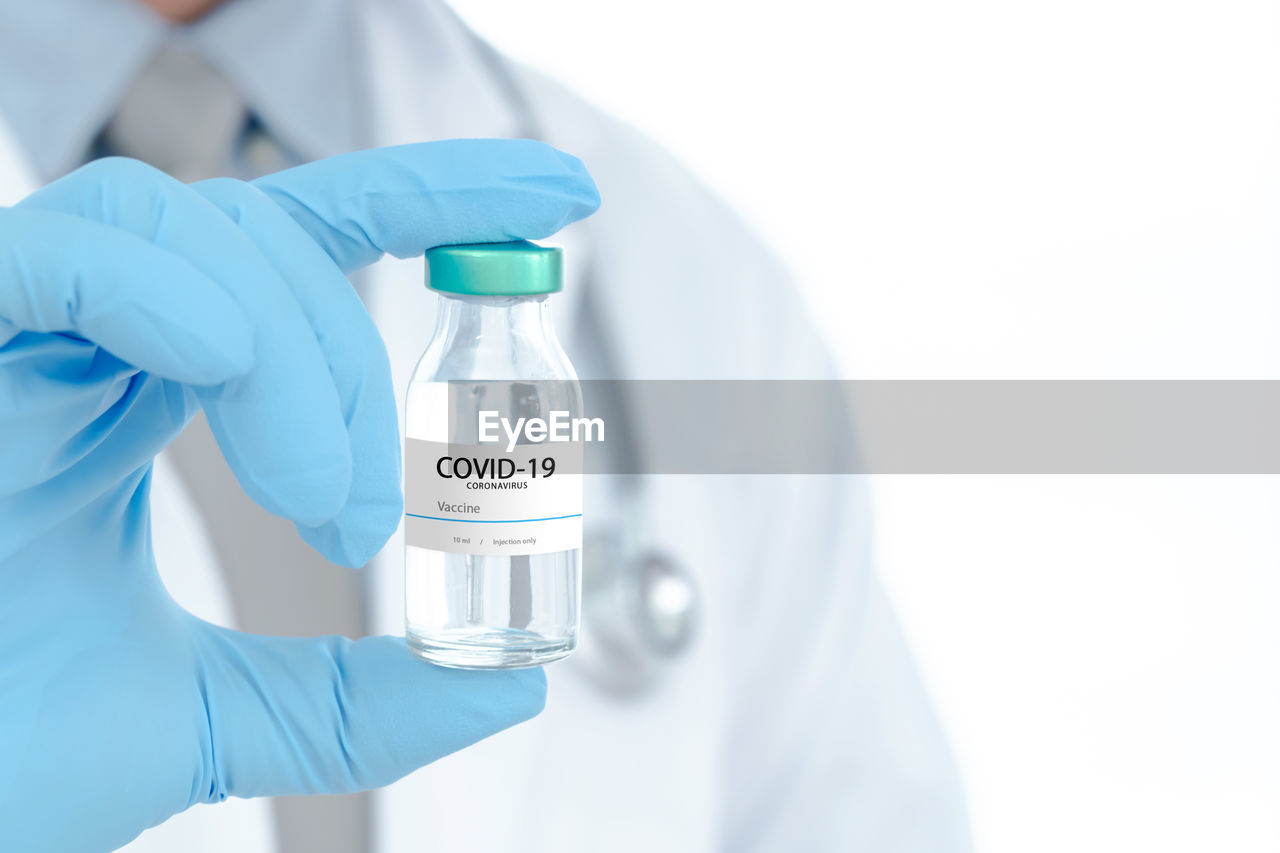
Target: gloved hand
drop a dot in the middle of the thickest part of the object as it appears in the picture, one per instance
(127, 302)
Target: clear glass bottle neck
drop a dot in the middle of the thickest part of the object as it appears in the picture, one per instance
(494, 338)
(464, 318)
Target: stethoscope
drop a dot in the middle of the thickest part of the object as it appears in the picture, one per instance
(640, 604)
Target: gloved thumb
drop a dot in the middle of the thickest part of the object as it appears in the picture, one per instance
(328, 715)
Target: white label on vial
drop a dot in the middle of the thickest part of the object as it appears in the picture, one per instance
(481, 499)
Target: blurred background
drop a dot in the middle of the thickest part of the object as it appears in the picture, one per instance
(1019, 190)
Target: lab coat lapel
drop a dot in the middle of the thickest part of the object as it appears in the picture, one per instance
(17, 177)
(426, 78)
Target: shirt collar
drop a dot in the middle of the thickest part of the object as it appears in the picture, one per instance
(65, 64)
(291, 61)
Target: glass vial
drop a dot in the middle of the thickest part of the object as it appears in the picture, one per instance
(493, 528)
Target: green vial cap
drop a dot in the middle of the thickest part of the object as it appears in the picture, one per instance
(519, 268)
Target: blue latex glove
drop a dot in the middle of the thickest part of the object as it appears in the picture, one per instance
(127, 302)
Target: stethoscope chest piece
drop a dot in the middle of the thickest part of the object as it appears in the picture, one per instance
(639, 614)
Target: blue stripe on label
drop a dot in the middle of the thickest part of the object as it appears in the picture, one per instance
(500, 521)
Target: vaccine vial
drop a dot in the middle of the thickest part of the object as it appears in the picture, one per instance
(493, 504)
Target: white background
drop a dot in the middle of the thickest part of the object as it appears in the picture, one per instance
(1019, 189)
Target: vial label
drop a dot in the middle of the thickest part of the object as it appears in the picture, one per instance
(488, 500)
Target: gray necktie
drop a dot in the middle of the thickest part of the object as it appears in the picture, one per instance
(181, 116)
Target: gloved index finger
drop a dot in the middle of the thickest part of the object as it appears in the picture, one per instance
(406, 199)
(279, 425)
(61, 273)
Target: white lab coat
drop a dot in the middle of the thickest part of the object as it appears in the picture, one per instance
(796, 721)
